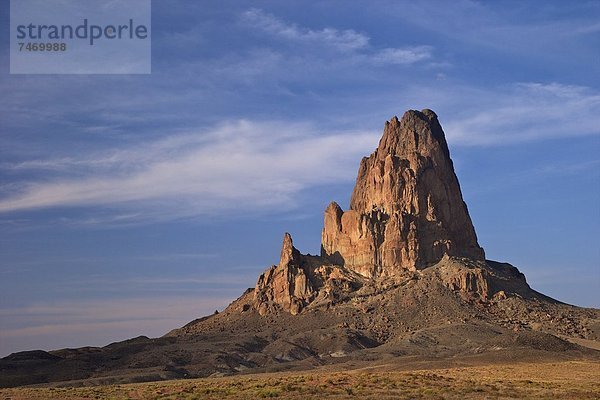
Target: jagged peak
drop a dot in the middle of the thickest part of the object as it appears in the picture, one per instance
(421, 216)
(289, 254)
(418, 132)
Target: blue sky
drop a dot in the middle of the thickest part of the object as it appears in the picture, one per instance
(132, 204)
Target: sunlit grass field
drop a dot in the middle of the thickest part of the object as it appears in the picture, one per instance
(563, 380)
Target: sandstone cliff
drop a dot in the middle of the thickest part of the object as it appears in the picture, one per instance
(406, 210)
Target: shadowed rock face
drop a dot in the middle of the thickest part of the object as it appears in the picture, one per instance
(406, 210)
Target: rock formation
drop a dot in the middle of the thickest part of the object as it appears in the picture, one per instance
(406, 214)
(286, 284)
(298, 279)
(406, 210)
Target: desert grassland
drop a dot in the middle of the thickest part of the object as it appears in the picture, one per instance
(562, 380)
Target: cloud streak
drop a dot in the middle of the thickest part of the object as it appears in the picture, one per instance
(527, 112)
(236, 166)
(408, 55)
(247, 165)
(98, 322)
(343, 40)
(349, 42)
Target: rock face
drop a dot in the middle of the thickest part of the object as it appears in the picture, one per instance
(299, 280)
(286, 284)
(406, 210)
(406, 214)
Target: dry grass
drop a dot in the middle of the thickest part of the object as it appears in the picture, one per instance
(563, 380)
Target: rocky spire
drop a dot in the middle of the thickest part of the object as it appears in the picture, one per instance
(286, 284)
(289, 254)
(406, 211)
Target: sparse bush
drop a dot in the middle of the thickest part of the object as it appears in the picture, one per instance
(268, 393)
(289, 387)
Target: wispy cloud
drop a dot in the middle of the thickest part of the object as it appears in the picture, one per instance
(587, 29)
(98, 322)
(523, 29)
(344, 40)
(347, 41)
(235, 166)
(207, 281)
(247, 165)
(406, 55)
(108, 310)
(526, 112)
